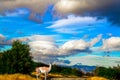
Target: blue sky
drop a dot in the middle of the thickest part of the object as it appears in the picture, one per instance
(58, 35)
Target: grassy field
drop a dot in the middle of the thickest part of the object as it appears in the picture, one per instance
(91, 78)
(50, 77)
(97, 78)
(16, 77)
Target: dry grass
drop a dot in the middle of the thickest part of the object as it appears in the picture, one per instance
(97, 78)
(54, 75)
(16, 77)
(49, 75)
(27, 77)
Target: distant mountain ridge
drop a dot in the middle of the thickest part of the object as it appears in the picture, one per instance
(84, 68)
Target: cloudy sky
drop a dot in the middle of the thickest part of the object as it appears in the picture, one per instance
(65, 32)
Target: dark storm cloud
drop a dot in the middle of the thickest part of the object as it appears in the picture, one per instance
(37, 6)
(34, 6)
(100, 8)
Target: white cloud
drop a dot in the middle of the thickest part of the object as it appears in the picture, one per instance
(16, 12)
(111, 44)
(41, 38)
(34, 38)
(71, 19)
(22, 39)
(2, 37)
(44, 48)
(37, 57)
(77, 46)
(2, 40)
(73, 23)
(74, 47)
(42, 44)
(109, 34)
(93, 60)
(65, 6)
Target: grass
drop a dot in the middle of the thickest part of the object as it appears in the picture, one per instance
(97, 78)
(16, 77)
(19, 76)
(28, 77)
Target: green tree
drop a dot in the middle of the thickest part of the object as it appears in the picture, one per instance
(17, 60)
(66, 71)
(110, 73)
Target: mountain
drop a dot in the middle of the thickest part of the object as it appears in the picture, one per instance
(84, 68)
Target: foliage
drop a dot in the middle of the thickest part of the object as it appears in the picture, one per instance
(110, 73)
(66, 71)
(16, 60)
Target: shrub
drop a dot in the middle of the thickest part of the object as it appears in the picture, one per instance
(16, 60)
(110, 73)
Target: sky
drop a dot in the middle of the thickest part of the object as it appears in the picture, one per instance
(64, 32)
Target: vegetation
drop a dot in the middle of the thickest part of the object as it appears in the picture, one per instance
(110, 73)
(97, 78)
(66, 71)
(16, 60)
(16, 77)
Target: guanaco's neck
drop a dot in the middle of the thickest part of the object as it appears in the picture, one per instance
(50, 66)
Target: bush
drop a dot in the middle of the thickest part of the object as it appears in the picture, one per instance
(110, 73)
(16, 60)
(66, 71)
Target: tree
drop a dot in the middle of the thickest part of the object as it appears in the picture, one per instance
(66, 71)
(110, 73)
(17, 59)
